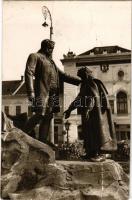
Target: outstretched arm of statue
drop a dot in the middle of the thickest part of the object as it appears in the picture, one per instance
(29, 74)
(68, 78)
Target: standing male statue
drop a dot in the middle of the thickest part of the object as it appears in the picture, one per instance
(97, 124)
(43, 79)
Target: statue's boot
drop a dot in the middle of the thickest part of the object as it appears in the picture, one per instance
(109, 146)
(98, 158)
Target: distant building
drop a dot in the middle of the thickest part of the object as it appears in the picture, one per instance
(112, 65)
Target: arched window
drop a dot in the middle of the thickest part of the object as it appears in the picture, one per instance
(122, 103)
(120, 75)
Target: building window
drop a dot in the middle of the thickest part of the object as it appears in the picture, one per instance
(128, 135)
(118, 136)
(6, 110)
(80, 135)
(122, 132)
(120, 75)
(79, 110)
(56, 134)
(122, 103)
(18, 110)
(29, 111)
(112, 105)
(104, 67)
(123, 135)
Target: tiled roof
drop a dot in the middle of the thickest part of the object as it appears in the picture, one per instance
(9, 87)
(22, 90)
(105, 49)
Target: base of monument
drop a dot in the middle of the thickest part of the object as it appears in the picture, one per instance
(30, 172)
(66, 180)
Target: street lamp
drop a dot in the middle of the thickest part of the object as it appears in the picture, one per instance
(67, 126)
(46, 12)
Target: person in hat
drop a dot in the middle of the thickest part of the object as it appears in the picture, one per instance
(43, 79)
(97, 125)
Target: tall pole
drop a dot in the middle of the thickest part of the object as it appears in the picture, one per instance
(67, 126)
(67, 138)
(46, 11)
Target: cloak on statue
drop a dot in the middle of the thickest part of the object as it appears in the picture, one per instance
(97, 124)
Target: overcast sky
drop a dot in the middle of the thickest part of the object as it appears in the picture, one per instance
(78, 26)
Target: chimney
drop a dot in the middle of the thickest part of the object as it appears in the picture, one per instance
(22, 78)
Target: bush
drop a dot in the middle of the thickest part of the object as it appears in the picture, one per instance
(123, 150)
(73, 151)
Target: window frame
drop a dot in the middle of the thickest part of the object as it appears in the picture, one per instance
(18, 111)
(7, 111)
(122, 104)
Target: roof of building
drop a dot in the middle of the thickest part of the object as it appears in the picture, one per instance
(16, 87)
(98, 55)
(105, 50)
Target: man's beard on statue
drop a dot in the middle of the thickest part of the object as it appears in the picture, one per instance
(48, 53)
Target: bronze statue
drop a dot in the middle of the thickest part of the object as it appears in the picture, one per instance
(97, 125)
(43, 79)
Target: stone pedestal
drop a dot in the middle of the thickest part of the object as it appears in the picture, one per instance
(29, 172)
(22, 158)
(67, 180)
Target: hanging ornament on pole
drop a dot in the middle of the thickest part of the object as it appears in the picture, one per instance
(46, 13)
